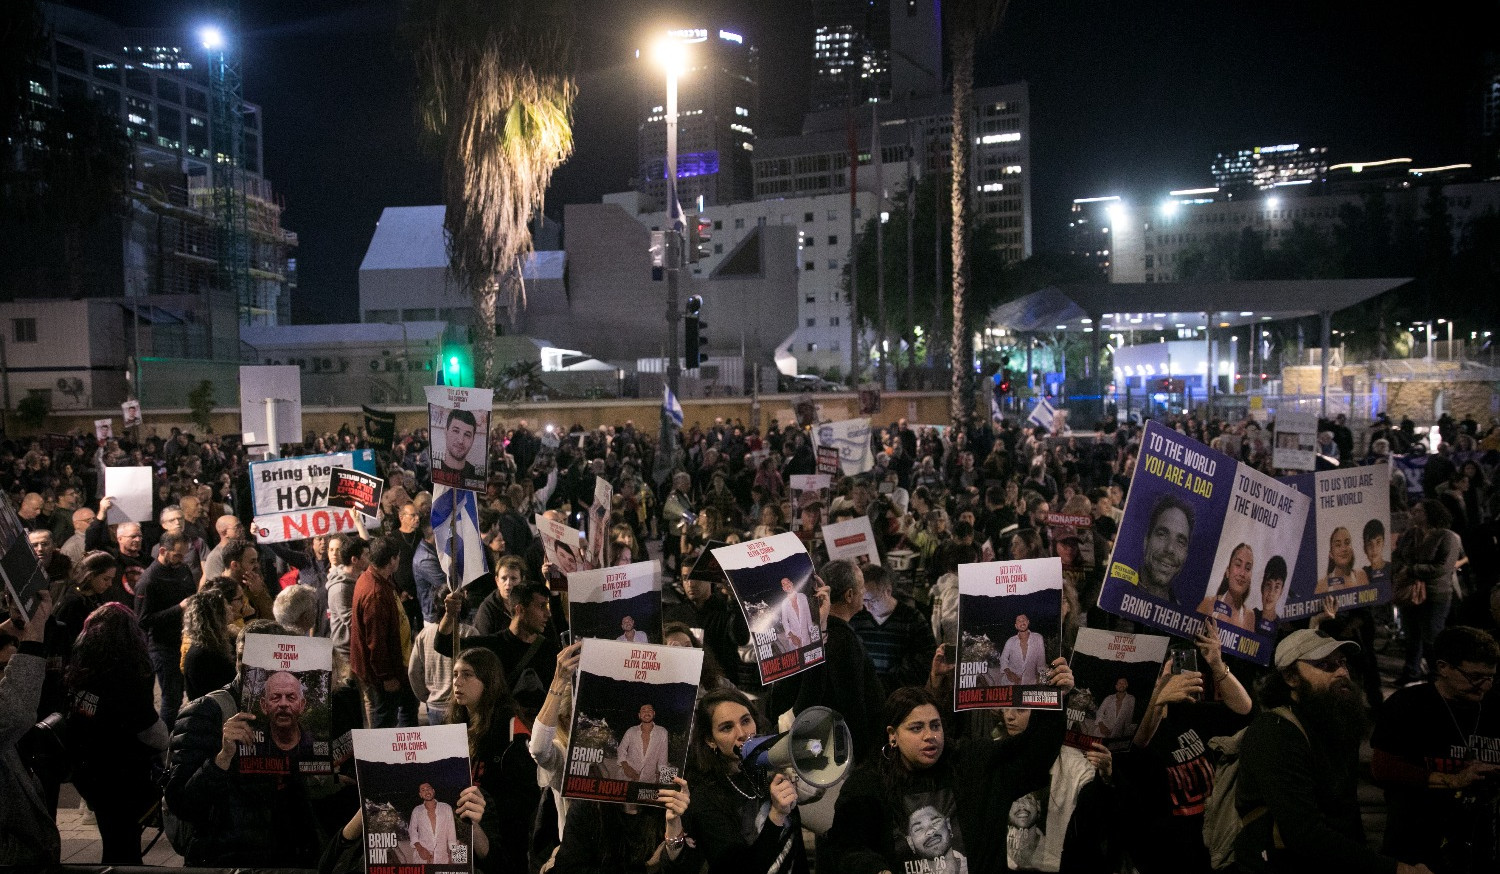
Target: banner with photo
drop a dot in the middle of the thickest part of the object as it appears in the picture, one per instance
(564, 546)
(1072, 540)
(1114, 675)
(1347, 542)
(409, 783)
(599, 512)
(772, 579)
(1199, 532)
(632, 720)
(287, 687)
(132, 413)
(1009, 631)
(1296, 446)
(806, 489)
(853, 539)
(459, 421)
(851, 437)
(616, 603)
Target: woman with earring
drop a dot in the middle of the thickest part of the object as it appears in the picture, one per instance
(741, 823)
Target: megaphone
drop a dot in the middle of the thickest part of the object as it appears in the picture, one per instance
(818, 749)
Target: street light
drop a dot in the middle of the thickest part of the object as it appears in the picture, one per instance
(671, 56)
(211, 37)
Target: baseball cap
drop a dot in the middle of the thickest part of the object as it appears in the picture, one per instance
(1306, 644)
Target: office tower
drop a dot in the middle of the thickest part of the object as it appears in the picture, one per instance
(875, 50)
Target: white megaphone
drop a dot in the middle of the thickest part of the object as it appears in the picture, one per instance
(818, 749)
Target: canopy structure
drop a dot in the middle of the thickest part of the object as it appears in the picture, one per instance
(1102, 308)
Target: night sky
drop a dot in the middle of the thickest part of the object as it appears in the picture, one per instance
(1124, 98)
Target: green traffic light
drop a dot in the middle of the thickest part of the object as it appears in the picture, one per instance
(453, 363)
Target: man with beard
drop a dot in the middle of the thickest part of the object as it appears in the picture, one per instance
(1437, 755)
(1167, 537)
(1299, 767)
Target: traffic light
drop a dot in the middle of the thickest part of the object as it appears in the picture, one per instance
(457, 366)
(1005, 382)
(693, 335)
(700, 233)
(1166, 384)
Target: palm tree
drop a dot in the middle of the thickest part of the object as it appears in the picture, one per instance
(967, 20)
(495, 93)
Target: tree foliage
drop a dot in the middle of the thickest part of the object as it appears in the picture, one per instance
(495, 93)
(201, 404)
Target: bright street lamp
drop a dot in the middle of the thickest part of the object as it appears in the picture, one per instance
(212, 38)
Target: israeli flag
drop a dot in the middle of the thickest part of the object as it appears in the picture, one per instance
(1042, 414)
(455, 523)
(670, 407)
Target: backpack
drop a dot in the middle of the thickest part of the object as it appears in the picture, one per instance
(1222, 822)
(179, 831)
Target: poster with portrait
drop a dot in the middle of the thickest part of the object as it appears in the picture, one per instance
(287, 688)
(632, 719)
(1009, 631)
(599, 512)
(617, 603)
(853, 539)
(132, 413)
(459, 421)
(1199, 531)
(851, 437)
(1347, 542)
(409, 783)
(809, 490)
(1072, 540)
(927, 836)
(772, 579)
(380, 427)
(564, 546)
(1296, 440)
(1115, 674)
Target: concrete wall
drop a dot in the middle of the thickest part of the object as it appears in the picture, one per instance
(80, 340)
(917, 407)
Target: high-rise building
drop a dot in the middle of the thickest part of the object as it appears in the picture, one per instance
(155, 84)
(717, 108)
(816, 162)
(1090, 222)
(875, 50)
(1263, 167)
(1488, 157)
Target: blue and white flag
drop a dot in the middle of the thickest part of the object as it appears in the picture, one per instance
(670, 407)
(1043, 414)
(455, 524)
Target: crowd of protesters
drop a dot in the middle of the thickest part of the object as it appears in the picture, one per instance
(137, 645)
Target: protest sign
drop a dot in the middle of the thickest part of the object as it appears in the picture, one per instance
(1019, 603)
(132, 413)
(1346, 542)
(281, 384)
(604, 496)
(380, 427)
(1073, 540)
(409, 783)
(287, 687)
(1114, 675)
(290, 497)
(772, 579)
(806, 489)
(456, 537)
(828, 460)
(851, 437)
(1296, 440)
(57, 443)
(24, 578)
(1197, 527)
(853, 539)
(103, 430)
(564, 547)
(355, 489)
(459, 422)
(616, 603)
(652, 689)
(869, 398)
(129, 490)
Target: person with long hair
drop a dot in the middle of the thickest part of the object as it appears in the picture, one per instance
(113, 728)
(208, 663)
(741, 823)
(498, 749)
(90, 580)
(1234, 591)
(1340, 572)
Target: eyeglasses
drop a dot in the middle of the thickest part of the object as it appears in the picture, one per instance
(1476, 679)
(1329, 664)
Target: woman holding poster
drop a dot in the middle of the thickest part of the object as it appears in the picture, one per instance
(498, 748)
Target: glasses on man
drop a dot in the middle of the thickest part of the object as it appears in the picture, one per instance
(1476, 679)
(1329, 664)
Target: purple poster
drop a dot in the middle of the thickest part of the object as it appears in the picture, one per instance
(1346, 543)
(1199, 532)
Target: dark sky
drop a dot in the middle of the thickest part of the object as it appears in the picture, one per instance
(1124, 97)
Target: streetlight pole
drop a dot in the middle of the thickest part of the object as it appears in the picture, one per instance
(676, 223)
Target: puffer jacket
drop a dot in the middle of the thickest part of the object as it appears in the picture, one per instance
(238, 821)
(28, 833)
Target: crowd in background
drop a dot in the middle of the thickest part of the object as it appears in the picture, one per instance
(142, 622)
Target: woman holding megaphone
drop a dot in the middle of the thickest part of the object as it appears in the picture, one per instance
(740, 821)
